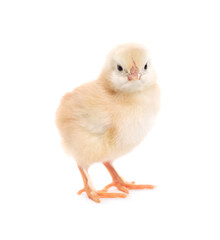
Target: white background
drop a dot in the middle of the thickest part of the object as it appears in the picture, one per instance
(48, 48)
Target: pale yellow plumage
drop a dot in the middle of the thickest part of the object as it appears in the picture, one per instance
(106, 118)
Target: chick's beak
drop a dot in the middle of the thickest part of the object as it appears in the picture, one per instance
(134, 73)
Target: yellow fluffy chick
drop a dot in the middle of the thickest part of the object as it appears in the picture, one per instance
(107, 118)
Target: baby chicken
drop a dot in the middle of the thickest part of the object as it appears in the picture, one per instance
(107, 118)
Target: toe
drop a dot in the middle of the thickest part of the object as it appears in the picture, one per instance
(81, 191)
(104, 194)
(94, 196)
(122, 188)
(141, 186)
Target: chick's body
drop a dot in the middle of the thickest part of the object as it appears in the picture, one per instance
(101, 121)
(98, 125)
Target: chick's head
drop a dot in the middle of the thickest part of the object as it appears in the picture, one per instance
(128, 68)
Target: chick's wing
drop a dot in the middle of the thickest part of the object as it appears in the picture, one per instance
(90, 109)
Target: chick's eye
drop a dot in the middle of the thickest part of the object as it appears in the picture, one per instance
(120, 68)
(145, 66)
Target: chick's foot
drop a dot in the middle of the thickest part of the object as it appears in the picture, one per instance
(93, 194)
(119, 183)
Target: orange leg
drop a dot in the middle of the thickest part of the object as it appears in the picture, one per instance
(120, 183)
(93, 194)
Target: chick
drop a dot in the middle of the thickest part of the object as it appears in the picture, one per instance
(107, 118)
